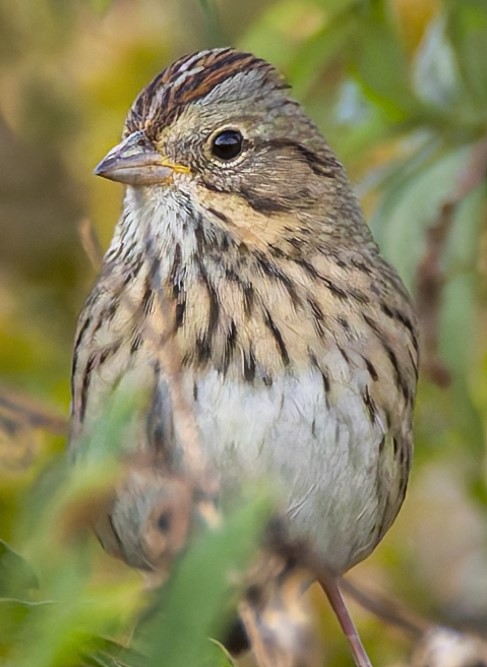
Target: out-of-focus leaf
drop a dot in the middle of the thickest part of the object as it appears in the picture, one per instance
(467, 28)
(15, 616)
(214, 30)
(458, 318)
(55, 631)
(462, 245)
(16, 575)
(457, 321)
(312, 57)
(275, 34)
(335, 8)
(81, 613)
(379, 60)
(419, 152)
(356, 125)
(409, 208)
(223, 657)
(435, 74)
(110, 654)
(117, 428)
(196, 603)
(304, 38)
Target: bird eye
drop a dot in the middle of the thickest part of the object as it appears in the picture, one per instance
(227, 145)
(164, 521)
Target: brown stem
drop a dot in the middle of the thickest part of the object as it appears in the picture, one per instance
(387, 610)
(23, 410)
(430, 277)
(90, 242)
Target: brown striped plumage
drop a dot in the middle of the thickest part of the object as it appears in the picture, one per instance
(298, 341)
(170, 91)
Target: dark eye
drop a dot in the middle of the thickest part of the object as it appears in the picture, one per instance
(164, 521)
(227, 145)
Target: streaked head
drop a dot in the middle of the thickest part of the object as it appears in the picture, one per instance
(223, 121)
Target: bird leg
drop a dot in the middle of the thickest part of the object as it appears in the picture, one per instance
(329, 584)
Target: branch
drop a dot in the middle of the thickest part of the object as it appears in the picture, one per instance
(430, 277)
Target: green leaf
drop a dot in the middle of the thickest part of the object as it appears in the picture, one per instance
(316, 53)
(436, 77)
(423, 148)
(412, 205)
(442, 80)
(330, 26)
(215, 34)
(16, 575)
(379, 62)
(467, 28)
(197, 602)
(462, 245)
(457, 320)
(110, 654)
(273, 34)
(15, 616)
(223, 657)
(456, 341)
(117, 429)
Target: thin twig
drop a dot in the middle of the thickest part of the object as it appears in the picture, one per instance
(388, 610)
(26, 411)
(430, 277)
(90, 242)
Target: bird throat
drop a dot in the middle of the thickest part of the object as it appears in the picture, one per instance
(227, 305)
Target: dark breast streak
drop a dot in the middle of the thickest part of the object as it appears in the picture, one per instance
(225, 340)
(103, 307)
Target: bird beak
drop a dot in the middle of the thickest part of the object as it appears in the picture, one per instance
(135, 161)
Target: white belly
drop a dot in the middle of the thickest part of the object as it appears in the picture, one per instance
(321, 452)
(322, 457)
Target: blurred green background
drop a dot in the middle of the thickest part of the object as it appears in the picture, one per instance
(399, 88)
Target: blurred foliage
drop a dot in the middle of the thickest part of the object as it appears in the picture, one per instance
(400, 89)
